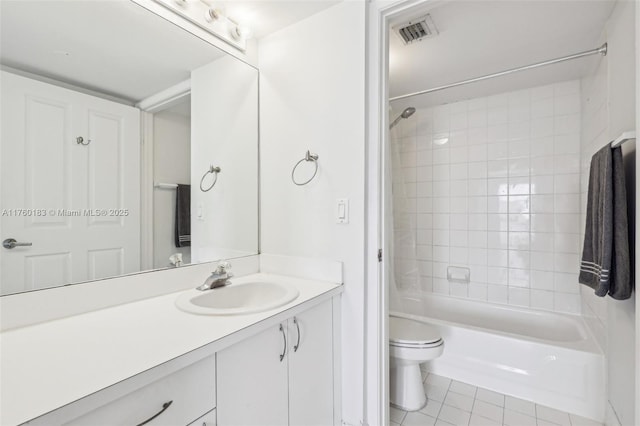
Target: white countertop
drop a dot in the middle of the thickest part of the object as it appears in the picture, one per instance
(46, 366)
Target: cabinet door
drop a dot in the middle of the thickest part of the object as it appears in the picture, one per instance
(252, 381)
(311, 367)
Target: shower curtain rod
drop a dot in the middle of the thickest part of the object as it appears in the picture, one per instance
(602, 50)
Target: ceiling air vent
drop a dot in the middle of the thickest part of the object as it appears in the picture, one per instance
(416, 29)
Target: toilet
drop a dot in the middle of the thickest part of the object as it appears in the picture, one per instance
(410, 344)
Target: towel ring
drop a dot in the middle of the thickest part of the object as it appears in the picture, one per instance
(308, 157)
(214, 171)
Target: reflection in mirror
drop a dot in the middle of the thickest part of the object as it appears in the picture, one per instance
(96, 121)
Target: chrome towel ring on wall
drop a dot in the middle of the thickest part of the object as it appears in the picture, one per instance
(308, 157)
(214, 171)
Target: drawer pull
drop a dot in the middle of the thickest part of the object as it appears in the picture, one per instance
(284, 349)
(297, 345)
(164, 407)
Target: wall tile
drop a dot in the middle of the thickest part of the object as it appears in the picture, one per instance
(519, 296)
(542, 185)
(478, 153)
(543, 165)
(478, 187)
(542, 108)
(519, 259)
(477, 204)
(541, 299)
(497, 150)
(497, 222)
(540, 241)
(478, 239)
(542, 92)
(477, 136)
(500, 276)
(542, 280)
(479, 257)
(497, 293)
(479, 291)
(478, 222)
(518, 277)
(459, 221)
(460, 171)
(498, 258)
(503, 196)
(497, 240)
(498, 168)
(542, 203)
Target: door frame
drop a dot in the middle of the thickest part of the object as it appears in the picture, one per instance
(376, 394)
(376, 383)
(148, 108)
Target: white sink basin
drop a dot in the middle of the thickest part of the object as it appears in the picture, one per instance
(237, 299)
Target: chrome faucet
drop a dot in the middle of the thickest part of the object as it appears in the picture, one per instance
(218, 278)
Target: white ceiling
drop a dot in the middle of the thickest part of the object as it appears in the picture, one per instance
(266, 16)
(483, 37)
(116, 47)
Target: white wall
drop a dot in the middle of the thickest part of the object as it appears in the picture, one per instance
(312, 79)
(501, 197)
(608, 110)
(171, 164)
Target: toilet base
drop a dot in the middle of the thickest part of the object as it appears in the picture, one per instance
(406, 391)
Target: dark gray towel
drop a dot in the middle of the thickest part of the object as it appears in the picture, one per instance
(606, 263)
(183, 216)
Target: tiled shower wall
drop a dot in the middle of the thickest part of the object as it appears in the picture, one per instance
(500, 197)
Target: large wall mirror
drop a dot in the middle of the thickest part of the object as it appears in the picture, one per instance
(127, 144)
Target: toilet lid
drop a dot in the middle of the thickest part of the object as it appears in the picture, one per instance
(402, 330)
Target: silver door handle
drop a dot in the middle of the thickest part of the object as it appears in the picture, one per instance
(297, 345)
(10, 243)
(284, 348)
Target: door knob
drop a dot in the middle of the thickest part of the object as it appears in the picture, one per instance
(10, 243)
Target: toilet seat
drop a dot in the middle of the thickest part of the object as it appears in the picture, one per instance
(408, 333)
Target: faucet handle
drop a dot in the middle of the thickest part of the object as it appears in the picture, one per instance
(223, 267)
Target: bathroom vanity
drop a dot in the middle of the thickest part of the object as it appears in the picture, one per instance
(126, 364)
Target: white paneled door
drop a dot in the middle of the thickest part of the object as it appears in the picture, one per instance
(76, 201)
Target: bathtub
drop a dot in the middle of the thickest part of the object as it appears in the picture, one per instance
(545, 357)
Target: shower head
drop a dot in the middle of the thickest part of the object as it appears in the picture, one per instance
(408, 112)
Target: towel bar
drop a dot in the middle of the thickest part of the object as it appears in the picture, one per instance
(626, 136)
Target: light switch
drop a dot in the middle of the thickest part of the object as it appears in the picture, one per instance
(200, 212)
(342, 210)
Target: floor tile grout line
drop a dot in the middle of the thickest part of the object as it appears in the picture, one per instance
(442, 405)
(475, 398)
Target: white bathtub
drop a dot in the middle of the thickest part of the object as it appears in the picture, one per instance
(544, 357)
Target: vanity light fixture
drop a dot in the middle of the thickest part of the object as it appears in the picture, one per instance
(211, 17)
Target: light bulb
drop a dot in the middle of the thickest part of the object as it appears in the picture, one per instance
(240, 32)
(211, 14)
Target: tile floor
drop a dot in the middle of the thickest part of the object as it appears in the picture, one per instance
(460, 404)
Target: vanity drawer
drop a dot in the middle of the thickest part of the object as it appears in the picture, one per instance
(191, 391)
